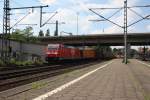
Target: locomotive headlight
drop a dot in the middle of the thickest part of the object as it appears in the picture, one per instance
(55, 53)
(51, 53)
(48, 53)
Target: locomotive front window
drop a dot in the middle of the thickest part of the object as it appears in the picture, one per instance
(53, 47)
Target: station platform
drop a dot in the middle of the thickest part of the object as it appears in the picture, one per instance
(112, 80)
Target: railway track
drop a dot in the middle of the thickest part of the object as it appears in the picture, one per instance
(10, 79)
(16, 73)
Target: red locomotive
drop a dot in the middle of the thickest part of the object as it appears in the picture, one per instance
(62, 52)
(59, 52)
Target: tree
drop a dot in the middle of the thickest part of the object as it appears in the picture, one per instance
(28, 32)
(55, 33)
(25, 35)
(115, 50)
(18, 35)
(47, 33)
(41, 34)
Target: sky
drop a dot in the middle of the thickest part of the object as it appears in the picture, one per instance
(69, 10)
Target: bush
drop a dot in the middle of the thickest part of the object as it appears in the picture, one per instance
(24, 63)
(38, 62)
(14, 62)
(2, 63)
(19, 63)
(27, 63)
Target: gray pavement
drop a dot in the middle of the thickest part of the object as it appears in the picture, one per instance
(117, 81)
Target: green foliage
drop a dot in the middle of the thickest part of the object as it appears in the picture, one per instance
(38, 85)
(18, 35)
(38, 62)
(55, 33)
(117, 51)
(41, 34)
(28, 32)
(33, 39)
(104, 52)
(2, 63)
(14, 62)
(147, 97)
(47, 33)
(27, 63)
(25, 35)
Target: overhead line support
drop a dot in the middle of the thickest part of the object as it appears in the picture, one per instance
(29, 7)
(125, 32)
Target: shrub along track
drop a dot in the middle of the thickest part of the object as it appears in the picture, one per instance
(13, 78)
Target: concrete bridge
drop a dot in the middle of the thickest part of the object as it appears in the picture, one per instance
(135, 39)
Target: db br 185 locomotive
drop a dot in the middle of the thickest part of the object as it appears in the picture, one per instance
(65, 52)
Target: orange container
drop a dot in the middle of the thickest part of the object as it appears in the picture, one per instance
(89, 53)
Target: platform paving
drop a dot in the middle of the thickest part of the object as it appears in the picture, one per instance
(117, 81)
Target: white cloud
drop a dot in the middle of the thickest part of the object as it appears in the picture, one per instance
(148, 27)
(69, 16)
(47, 2)
(31, 18)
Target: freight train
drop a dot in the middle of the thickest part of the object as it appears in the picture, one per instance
(65, 52)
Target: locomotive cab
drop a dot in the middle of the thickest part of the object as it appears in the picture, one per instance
(52, 52)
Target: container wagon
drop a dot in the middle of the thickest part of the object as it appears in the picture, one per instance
(88, 54)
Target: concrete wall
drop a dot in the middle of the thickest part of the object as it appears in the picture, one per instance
(29, 49)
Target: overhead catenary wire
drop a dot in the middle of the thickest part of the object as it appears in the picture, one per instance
(106, 8)
(20, 20)
(135, 12)
(106, 18)
(48, 19)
